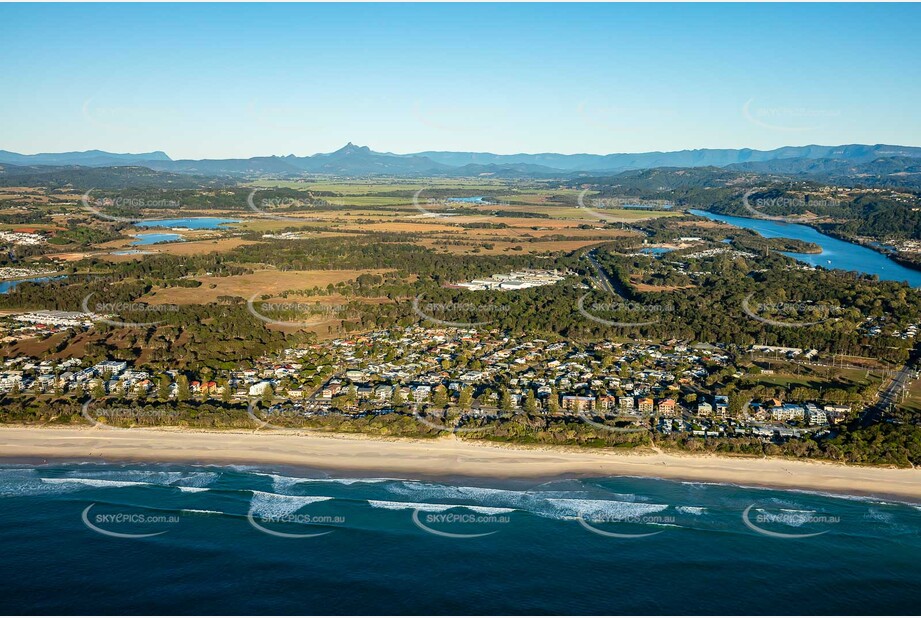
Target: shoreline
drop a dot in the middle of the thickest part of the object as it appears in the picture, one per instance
(443, 458)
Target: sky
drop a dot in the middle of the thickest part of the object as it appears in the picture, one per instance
(242, 80)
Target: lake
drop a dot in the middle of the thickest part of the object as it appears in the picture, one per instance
(835, 253)
(192, 223)
(6, 286)
(152, 239)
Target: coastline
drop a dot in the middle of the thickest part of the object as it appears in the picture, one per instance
(447, 457)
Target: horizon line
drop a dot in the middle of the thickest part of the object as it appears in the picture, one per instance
(419, 152)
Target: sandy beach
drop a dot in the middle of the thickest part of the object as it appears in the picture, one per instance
(446, 457)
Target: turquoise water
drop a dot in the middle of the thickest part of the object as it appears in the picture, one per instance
(835, 253)
(154, 238)
(467, 200)
(6, 286)
(217, 548)
(192, 223)
(656, 250)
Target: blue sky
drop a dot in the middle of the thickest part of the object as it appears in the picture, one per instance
(240, 80)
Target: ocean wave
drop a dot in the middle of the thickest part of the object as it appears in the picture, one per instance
(350, 481)
(794, 518)
(267, 504)
(572, 508)
(691, 510)
(878, 516)
(282, 483)
(190, 490)
(201, 512)
(436, 508)
(510, 497)
(550, 504)
(92, 482)
(17, 482)
(150, 477)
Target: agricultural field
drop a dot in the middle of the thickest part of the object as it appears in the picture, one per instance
(262, 282)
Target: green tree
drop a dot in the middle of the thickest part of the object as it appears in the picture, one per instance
(440, 399)
(553, 402)
(530, 402)
(396, 396)
(182, 392)
(505, 401)
(163, 388)
(226, 393)
(465, 399)
(267, 394)
(98, 391)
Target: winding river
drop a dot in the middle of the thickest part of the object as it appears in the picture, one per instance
(835, 253)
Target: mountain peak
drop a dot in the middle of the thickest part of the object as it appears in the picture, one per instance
(350, 149)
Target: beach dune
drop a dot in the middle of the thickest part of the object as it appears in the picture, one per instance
(445, 457)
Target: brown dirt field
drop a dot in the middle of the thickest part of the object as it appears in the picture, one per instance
(644, 287)
(505, 247)
(402, 226)
(199, 247)
(244, 286)
(34, 346)
(70, 257)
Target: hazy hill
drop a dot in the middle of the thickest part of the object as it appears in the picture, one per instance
(89, 158)
(353, 160)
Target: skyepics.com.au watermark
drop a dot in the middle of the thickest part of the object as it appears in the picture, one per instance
(629, 313)
(110, 417)
(96, 207)
(448, 203)
(123, 524)
(788, 118)
(781, 523)
(301, 518)
(599, 419)
(451, 313)
(135, 202)
(783, 313)
(283, 516)
(296, 307)
(265, 206)
(460, 521)
(624, 526)
(438, 420)
(762, 207)
(316, 313)
(105, 311)
(792, 203)
(632, 306)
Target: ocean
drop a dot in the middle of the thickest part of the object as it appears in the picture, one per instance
(96, 538)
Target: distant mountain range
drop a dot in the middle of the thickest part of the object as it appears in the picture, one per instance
(352, 160)
(89, 158)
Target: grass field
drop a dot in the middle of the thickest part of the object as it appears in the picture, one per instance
(245, 286)
(913, 402)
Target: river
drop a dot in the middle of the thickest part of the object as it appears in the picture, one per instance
(835, 253)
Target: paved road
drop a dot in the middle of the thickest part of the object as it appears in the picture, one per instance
(888, 397)
(602, 278)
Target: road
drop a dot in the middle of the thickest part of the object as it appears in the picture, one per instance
(602, 278)
(888, 397)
